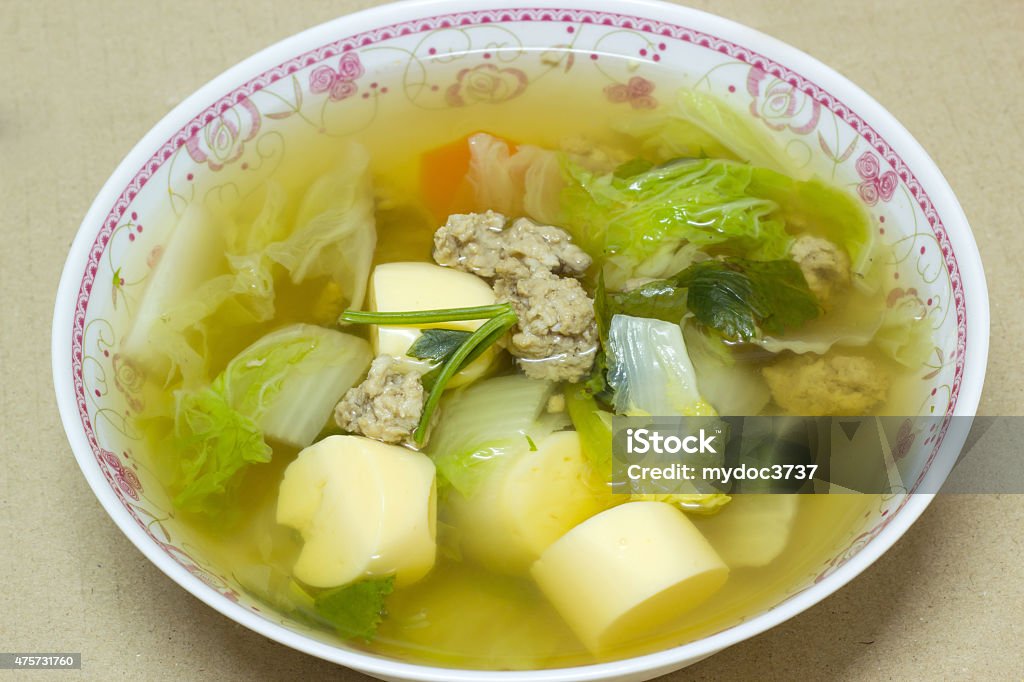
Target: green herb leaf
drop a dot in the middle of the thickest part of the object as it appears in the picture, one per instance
(661, 299)
(738, 297)
(437, 345)
(355, 610)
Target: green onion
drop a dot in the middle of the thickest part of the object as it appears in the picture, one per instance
(500, 318)
(489, 332)
(480, 312)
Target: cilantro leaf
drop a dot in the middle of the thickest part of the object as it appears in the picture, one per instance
(661, 299)
(740, 298)
(355, 610)
(737, 298)
(437, 345)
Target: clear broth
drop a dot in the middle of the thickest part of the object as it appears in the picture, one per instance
(462, 615)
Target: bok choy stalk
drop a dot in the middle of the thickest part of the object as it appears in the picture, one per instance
(282, 387)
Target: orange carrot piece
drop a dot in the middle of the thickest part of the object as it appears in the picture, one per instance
(443, 182)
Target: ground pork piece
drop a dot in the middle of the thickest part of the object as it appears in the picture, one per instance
(831, 384)
(556, 337)
(486, 245)
(826, 267)
(388, 404)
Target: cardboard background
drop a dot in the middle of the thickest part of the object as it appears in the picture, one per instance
(82, 81)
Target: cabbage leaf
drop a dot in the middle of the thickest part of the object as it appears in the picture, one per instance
(524, 182)
(699, 125)
(282, 387)
(650, 370)
(900, 330)
(219, 261)
(490, 419)
(653, 215)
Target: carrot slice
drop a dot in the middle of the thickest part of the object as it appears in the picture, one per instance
(443, 178)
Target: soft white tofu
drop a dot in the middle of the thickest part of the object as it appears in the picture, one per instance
(404, 286)
(628, 570)
(364, 509)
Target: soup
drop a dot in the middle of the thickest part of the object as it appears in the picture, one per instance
(381, 380)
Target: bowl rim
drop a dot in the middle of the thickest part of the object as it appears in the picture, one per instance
(942, 196)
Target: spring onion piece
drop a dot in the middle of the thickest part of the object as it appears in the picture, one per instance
(500, 318)
(480, 312)
(488, 333)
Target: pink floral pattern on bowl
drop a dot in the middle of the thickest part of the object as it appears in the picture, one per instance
(780, 105)
(638, 92)
(450, 61)
(339, 83)
(222, 140)
(877, 185)
(486, 84)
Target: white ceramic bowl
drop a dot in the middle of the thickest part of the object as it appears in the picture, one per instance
(436, 53)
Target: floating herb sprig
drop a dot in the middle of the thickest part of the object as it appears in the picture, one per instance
(499, 319)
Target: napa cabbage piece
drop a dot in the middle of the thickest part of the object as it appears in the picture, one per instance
(219, 261)
(334, 233)
(698, 125)
(526, 181)
(900, 330)
(650, 371)
(490, 419)
(648, 217)
(823, 210)
(290, 380)
(651, 374)
(594, 427)
(733, 388)
(282, 388)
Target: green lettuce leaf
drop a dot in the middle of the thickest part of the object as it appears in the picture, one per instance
(703, 203)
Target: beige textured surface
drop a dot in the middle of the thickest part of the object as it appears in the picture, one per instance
(82, 81)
